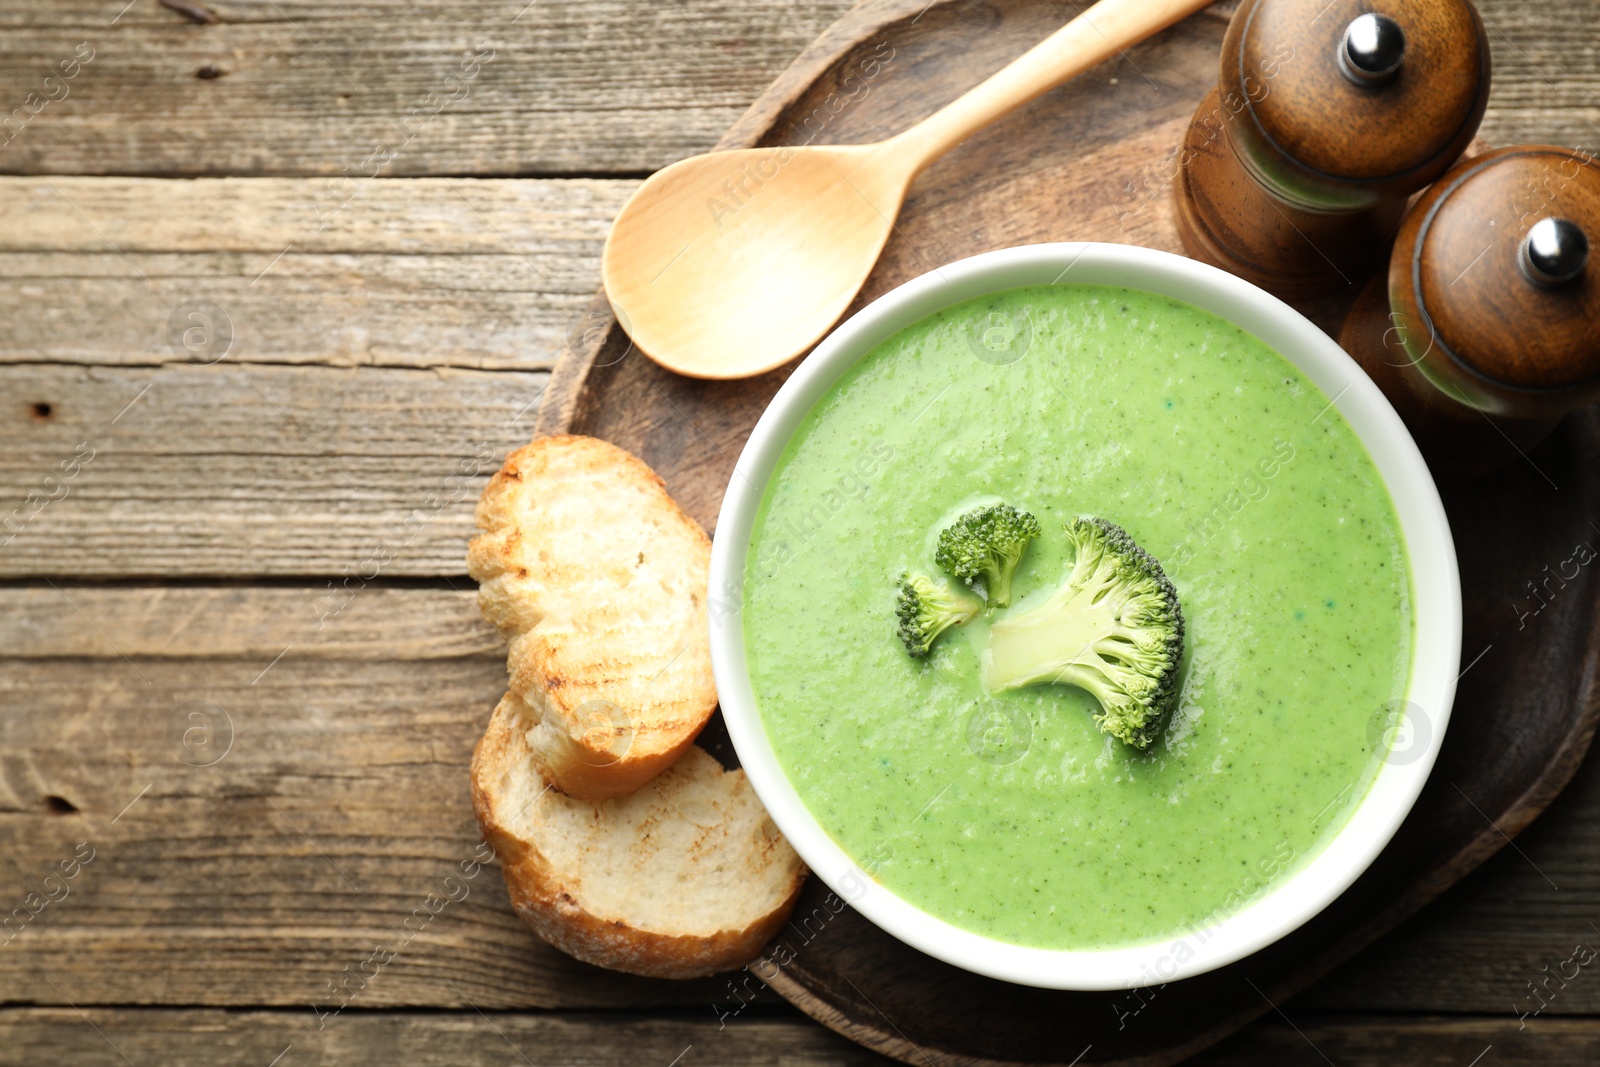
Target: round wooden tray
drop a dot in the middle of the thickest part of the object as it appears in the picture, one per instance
(1093, 161)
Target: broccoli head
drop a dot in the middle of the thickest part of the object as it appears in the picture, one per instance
(987, 543)
(927, 610)
(1113, 628)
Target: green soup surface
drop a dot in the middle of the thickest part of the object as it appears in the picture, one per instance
(1012, 815)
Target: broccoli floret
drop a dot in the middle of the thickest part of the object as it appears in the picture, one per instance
(987, 543)
(927, 610)
(1113, 628)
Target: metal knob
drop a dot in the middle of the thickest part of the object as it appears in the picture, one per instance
(1554, 252)
(1374, 47)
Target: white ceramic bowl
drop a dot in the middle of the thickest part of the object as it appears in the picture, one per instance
(1436, 592)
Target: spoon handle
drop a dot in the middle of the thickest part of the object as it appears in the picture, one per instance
(1094, 36)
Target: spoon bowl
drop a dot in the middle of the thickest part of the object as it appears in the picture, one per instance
(730, 264)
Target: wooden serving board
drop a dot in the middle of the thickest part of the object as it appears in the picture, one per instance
(1093, 161)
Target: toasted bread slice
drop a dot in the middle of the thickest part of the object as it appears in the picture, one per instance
(686, 877)
(597, 579)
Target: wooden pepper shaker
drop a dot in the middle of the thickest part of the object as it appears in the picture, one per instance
(1486, 330)
(1295, 171)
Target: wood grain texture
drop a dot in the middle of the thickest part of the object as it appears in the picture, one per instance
(448, 272)
(245, 622)
(1546, 73)
(312, 88)
(258, 471)
(1297, 1039)
(210, 1038)
(212, 901)
(458, 1037)
(606, 87)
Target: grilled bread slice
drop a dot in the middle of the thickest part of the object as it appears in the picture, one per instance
(597, 579)
(686, 877)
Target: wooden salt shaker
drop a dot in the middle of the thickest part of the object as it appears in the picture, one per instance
(1295, 170)
(1486, 330)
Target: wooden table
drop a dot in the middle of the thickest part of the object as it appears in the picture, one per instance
(279, 292)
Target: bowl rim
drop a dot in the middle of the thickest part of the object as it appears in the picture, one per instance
(1340, 859)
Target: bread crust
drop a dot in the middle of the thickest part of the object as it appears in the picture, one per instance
(507, 797)
(597, 580)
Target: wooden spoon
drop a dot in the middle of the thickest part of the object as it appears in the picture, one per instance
(729, 264)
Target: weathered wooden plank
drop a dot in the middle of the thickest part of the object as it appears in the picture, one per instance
(186, 471)
(555, 222)
(1546, 73)
(1383, 1041)
(422, 273)
(314, 87)
(608, 86)
(252, 1038)
(243, 622)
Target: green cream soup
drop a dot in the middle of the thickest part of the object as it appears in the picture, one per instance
(1012, 815)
